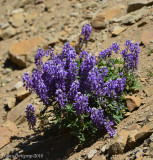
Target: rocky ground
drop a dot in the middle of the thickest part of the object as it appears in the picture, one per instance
(26, 25)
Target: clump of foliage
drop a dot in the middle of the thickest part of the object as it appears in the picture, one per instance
(87, 93)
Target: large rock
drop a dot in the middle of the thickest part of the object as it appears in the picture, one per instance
(17, 19)
(21, 53)
(132, 102)
(119, 144)
(137, 4)
(147, 37)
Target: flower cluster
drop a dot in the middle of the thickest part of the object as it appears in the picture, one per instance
(30, 114)
(63, 79)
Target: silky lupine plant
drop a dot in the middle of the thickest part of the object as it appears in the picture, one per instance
(88, 84)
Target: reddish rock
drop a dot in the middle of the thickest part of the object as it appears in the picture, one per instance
(146, 37)
(21, 52)
(132, 102)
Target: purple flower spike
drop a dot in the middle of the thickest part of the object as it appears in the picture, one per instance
(86, 31)
(30, 114)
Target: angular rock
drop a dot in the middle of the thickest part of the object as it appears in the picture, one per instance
(7, 33)
(10, 101)
(132, 102)
(120, 142)
(22, 93)
(117, 30)
(138, 4)
(91, 154)
(21, 53)
(17, 19)
(99, 22)
(146, 37)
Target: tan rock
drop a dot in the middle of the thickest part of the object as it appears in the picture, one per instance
(22, 93)
(132, 102)
(146, 37)
(7, 33)
(117, 30)
(10, 101)
(131, 138)
(4, 141)
(21, 52)
(99, 22)
(145, 131)
(149, 90)
(17, 19)
(29, 16)
(5, 132)
(11, 126)
(114, 12)
(137, 4)
(18, 114)
(120, 142)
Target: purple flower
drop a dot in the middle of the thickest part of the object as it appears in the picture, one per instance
(30, 114)
(130, 55)
(81, 103)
